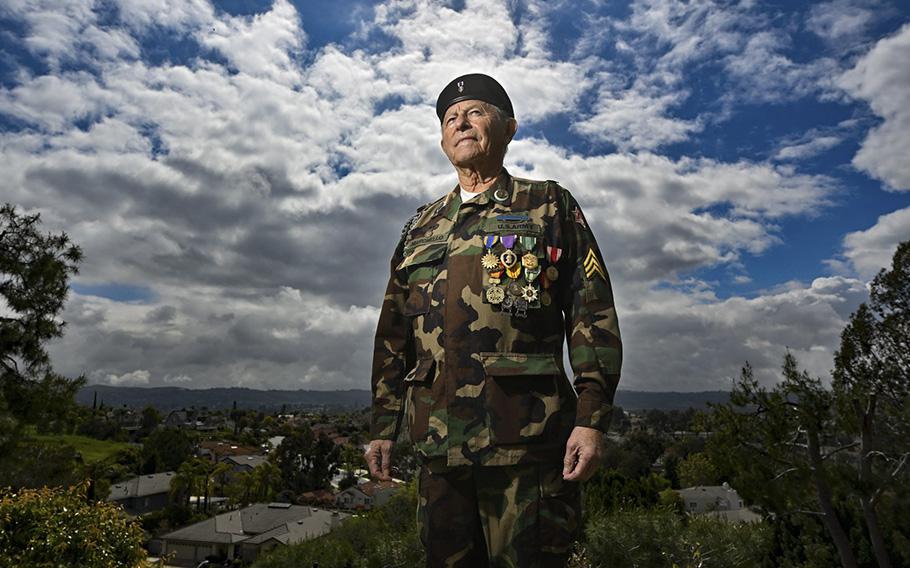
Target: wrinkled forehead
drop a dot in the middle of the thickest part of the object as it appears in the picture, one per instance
(465, 105)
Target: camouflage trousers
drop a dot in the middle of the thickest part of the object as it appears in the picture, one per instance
(517, 516)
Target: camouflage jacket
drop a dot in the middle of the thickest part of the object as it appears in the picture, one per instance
(479, 374)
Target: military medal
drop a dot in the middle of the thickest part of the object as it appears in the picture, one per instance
(507, 305)
(529, 260)
(508, 258)
(515, 289)
(552, 274)
(529, 293)
(495, 294)
(508, 241)
(489, 241)
(521, 308)
(545, 298)
(489, 261)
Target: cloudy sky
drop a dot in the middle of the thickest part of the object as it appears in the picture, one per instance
(237, 172)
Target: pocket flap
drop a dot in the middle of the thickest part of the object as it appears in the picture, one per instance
(422, 254)
(510, 364)
(422, 372)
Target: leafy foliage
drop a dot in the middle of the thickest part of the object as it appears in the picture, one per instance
(34, 275)
(306, 462)
(47, 528)
(657, 538)
(165, 449)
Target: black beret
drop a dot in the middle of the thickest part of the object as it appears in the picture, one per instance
(476, 86)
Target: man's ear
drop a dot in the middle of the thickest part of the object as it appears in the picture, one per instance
(511, 128)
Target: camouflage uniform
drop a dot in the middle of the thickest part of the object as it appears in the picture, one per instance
(482, 386)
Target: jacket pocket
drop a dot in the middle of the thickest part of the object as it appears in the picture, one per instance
(522, 398)
(422, 266)
(420, 399)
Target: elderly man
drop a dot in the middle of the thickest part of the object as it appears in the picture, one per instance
(485, 283)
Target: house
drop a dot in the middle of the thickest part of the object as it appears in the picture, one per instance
(246, 533)
(143, 494)
(366, 495)
(718, 500)
(244, 463)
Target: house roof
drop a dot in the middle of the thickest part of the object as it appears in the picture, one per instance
(142, 486)
(318, 523)
(237, 526)
(370, 488)
(709, 493)
(252, 461)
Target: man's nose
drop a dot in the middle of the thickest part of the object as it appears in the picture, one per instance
(461, 122)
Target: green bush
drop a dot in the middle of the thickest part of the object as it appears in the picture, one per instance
(48, 528)
(657, 538)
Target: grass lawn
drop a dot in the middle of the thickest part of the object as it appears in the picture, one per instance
(92, 450)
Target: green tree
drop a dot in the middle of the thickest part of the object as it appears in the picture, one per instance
(151, 418)
(871, 387)
(242, 489)
(782, 443)
(697, 469)
(306, 462)
(165, 449)
(35, 268)
(267, 481)
(45, 528)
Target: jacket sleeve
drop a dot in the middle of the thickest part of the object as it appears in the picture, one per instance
(592, 329)
(393, 353)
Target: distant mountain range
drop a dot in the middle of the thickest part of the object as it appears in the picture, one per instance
(170, 398)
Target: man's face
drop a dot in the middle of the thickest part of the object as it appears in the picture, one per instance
(473, 134)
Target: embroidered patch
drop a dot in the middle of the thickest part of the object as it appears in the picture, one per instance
(512, 217)
(592, 265)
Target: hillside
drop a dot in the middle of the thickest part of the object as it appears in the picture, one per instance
(169, 398)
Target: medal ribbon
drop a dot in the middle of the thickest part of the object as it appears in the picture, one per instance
(554, 253)
(508, 241)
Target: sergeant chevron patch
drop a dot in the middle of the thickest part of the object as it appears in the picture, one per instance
(592, 265)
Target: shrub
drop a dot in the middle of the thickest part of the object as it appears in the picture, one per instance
(45, 528)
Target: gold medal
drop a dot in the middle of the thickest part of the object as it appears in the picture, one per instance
(489, 261)
(508, 259)
(529, 260)
(514, 271)
(552, 273)
(529, 293)
(545, 298)
(495, 294)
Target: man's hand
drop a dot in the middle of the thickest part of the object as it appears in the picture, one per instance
(379, 459)
(584, 451)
